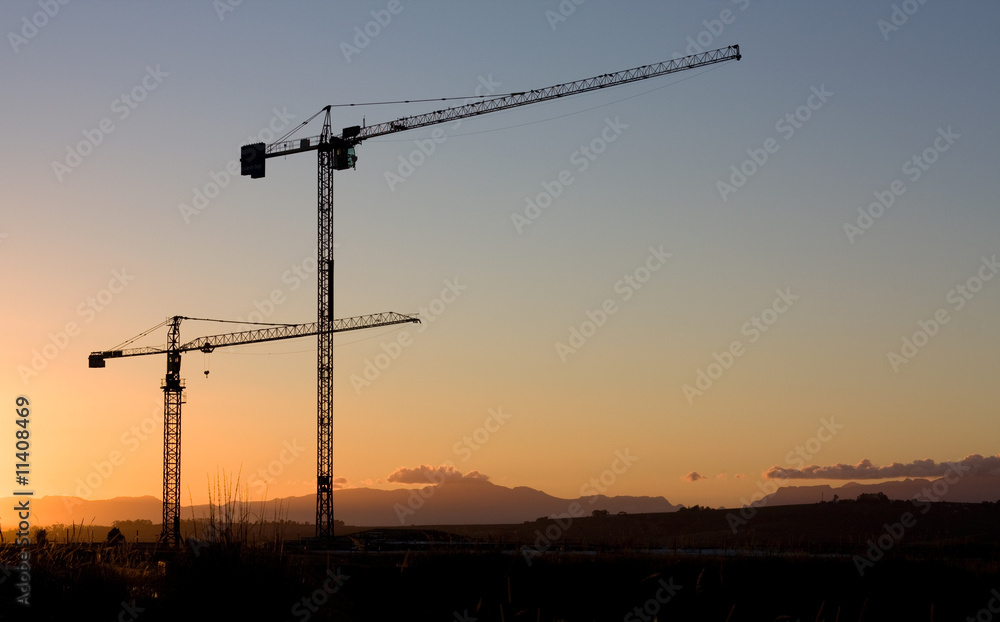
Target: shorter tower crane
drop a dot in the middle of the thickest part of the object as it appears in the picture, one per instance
(173, 384)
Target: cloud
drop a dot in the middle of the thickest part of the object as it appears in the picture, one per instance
(971, 465)
(694, 476)
(426, 474)
(740, 476)
(720, 476)
(341, 482)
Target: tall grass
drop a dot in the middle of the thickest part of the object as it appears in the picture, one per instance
(235, 521)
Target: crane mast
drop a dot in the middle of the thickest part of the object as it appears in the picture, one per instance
(337, 153)
(324, 344)
(173, 385)
(173, 398)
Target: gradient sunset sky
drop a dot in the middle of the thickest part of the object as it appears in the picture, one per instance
(766, 234)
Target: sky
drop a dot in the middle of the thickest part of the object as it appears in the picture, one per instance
(674, 287)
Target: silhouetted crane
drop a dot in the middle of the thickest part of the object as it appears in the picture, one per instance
(173, 384)
(336, 153)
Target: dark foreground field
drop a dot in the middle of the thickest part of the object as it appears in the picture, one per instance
(825, 562)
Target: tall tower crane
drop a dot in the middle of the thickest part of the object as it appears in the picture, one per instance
(173, 385)
(336, 153)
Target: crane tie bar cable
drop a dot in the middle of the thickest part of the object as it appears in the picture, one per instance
(205, 319)
(420, 101)
(139, 336)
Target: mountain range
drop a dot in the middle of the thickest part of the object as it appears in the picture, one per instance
(476, 501)
(457, 502)
(958, 489)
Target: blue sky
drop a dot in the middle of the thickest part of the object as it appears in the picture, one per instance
(210, 79)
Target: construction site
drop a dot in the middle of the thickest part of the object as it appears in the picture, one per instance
(619, 329)
(334, 153)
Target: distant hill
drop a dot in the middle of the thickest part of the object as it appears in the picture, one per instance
(51, 510)
(967, 489)
(465, 501)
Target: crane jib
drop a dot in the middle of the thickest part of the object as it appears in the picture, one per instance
(252, 156)
(337, 153)
(96, 360)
